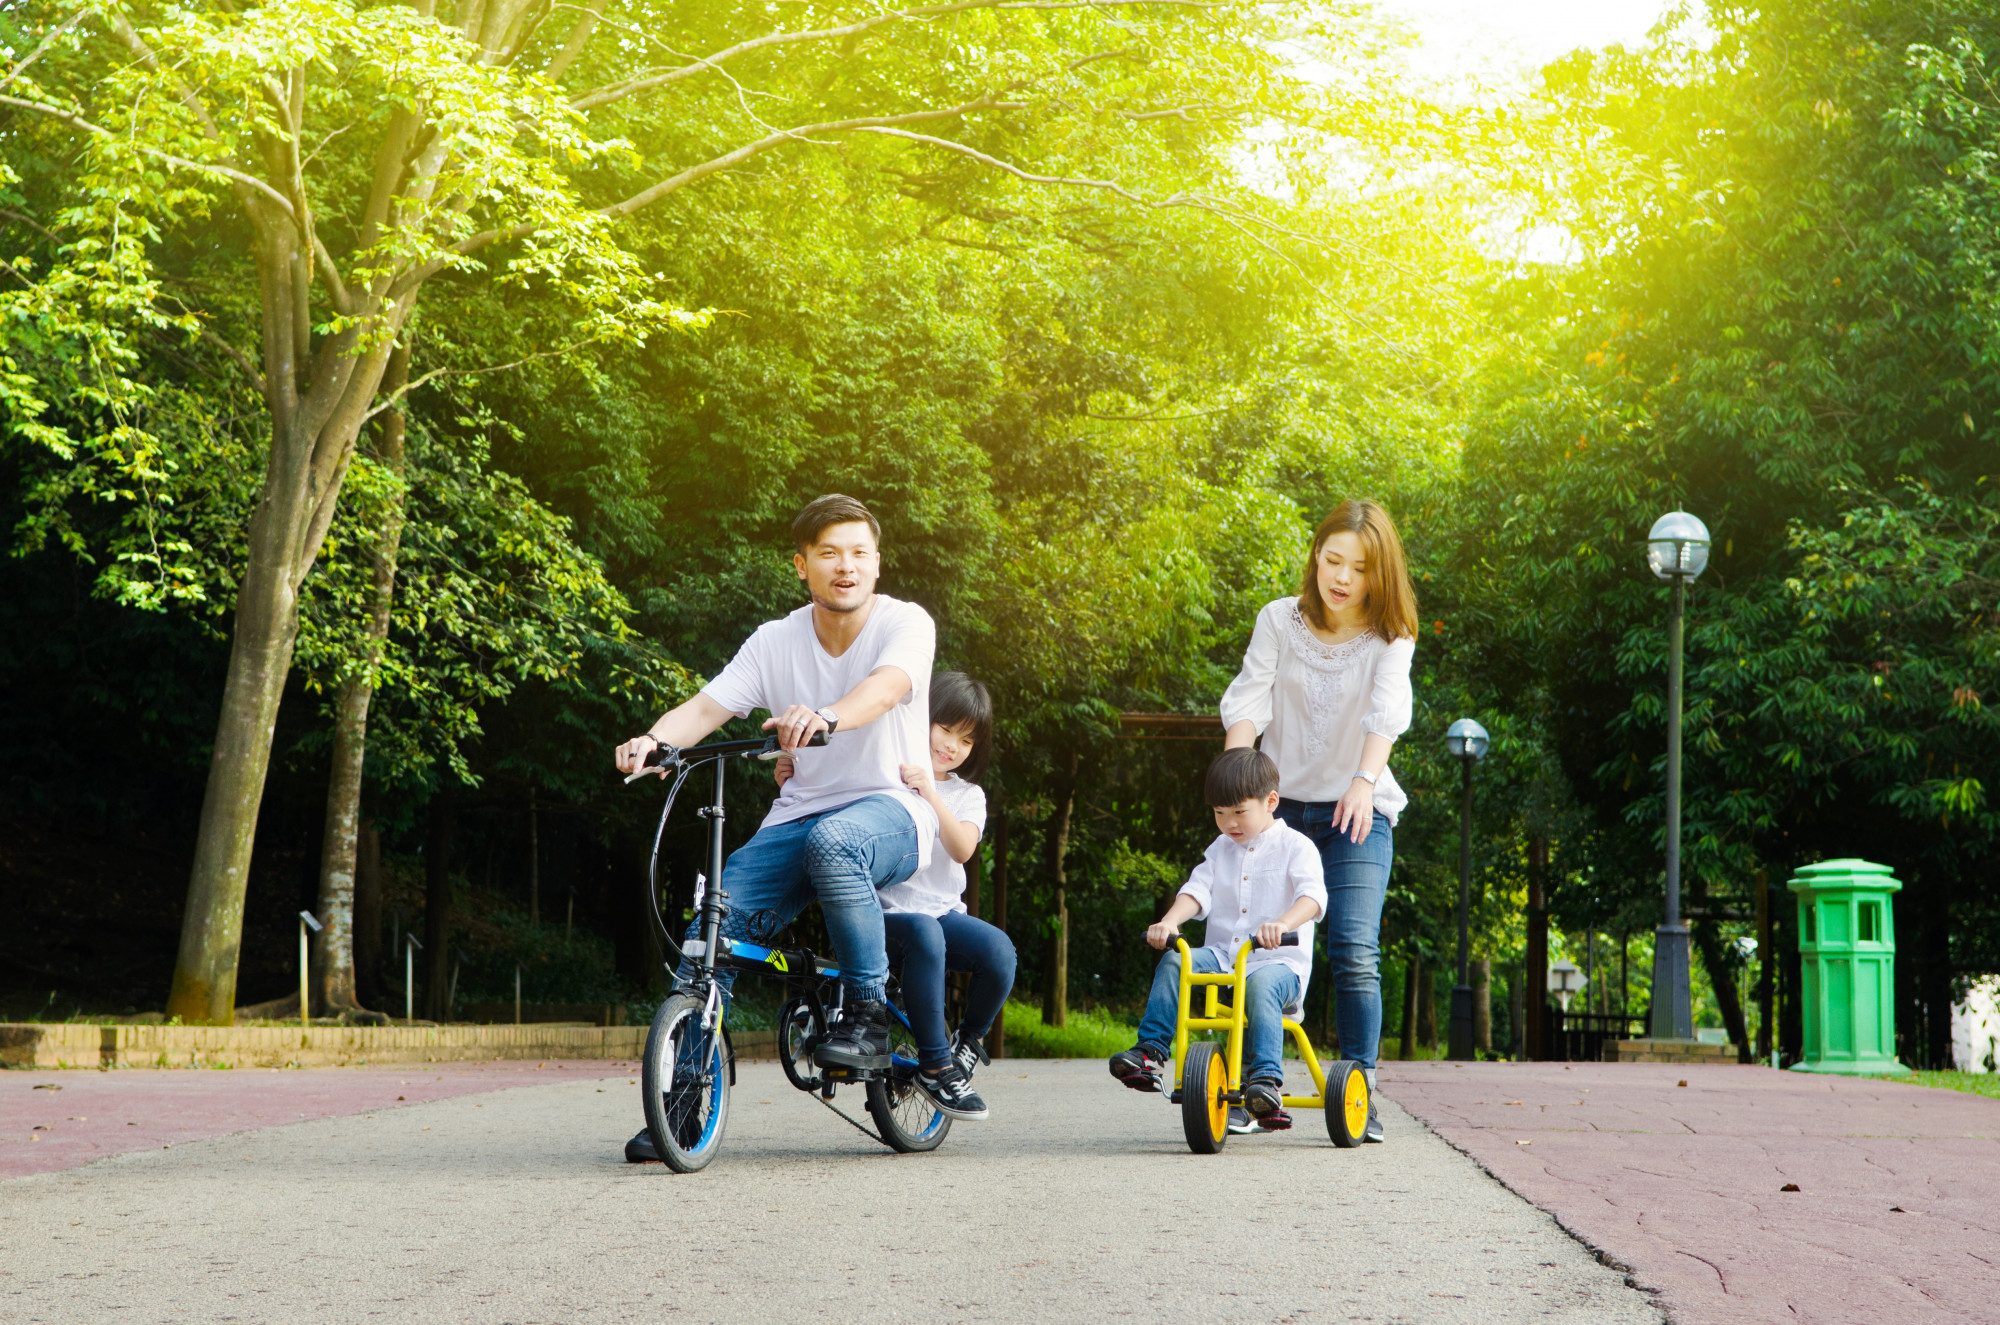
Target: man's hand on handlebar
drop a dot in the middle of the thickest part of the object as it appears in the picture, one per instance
(636, 757)
(795, 726)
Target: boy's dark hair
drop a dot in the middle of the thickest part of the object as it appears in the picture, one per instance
(957, 699)
(822, 513)
(1240, 775)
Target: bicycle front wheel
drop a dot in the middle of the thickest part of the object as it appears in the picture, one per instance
(685, 1084)
(908, 1120)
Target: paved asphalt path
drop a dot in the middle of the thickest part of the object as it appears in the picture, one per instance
(1078, 1202)
(1680, 1174)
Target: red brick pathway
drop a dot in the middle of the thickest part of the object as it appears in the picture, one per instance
(1896, 1217)
(94, 1114)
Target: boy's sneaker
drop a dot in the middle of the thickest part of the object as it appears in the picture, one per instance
(1263, 1098)
(1373, 1131)
(968, 1051)
(1276, 1122)
(1240, 1121)
(1139, 1067)
(951, 1090)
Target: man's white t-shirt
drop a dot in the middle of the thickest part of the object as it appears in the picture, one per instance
(783, 664)
(939, 888)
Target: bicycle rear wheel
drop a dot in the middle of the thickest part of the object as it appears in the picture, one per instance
(905, 1116)
(684, 1082)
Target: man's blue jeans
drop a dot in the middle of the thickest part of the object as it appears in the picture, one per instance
(928, 946)
(840, 857)
(1272, 986)
(1357, 880)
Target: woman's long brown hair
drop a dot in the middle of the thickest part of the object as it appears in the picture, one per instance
(1391, 609)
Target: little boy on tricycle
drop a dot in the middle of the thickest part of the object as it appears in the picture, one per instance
(1260, 881)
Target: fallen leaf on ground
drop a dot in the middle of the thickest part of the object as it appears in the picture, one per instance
(1524, 1143)
(1789, 1187)
(48, 1085)
(1680, 1083)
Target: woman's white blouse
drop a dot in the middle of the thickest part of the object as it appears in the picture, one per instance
(1314, 703)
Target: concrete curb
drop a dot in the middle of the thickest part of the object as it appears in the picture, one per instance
(71, 1045)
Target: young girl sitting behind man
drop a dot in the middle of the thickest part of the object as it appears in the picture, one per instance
(1260, 879)
(924, 917)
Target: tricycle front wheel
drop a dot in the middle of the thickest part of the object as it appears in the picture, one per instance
(1205, 1099)
(1346, 1104)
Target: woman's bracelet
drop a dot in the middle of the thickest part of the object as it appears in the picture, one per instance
(1365, 776)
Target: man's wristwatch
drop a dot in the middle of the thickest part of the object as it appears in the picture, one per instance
(830, 718)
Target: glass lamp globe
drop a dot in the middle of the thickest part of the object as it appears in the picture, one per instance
(1466, 739)
(1677, 545)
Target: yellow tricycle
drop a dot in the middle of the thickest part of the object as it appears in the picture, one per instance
(1208, 1077)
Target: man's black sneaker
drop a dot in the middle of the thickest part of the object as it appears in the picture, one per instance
(1263, 1098)
(1240, 1121)
(1138, 1067)
(952, 1092)
(1373, 1131)
(859, 1040)
(968, 1051)
(640, 1149)
(1276, 1122)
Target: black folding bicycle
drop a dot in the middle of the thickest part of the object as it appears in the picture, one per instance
(689, 1065)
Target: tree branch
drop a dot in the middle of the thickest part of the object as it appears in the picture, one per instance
(579, 37)
(653, 78)
(618, 211)
(42, 46)
(225, 172)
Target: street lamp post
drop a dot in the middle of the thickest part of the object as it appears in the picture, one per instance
(1676, 550)
(1466, 741)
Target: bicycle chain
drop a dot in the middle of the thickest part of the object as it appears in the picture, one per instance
(850, 1122)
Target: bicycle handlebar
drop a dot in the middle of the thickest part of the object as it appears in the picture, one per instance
(664, 756)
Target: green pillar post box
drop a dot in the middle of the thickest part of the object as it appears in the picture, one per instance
(1847, 949)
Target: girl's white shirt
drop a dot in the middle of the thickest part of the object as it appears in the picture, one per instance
(1314, 703)
(939, 887)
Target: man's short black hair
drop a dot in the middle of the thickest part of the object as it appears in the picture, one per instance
(1240, 775)
(823, 513)
(958, 701)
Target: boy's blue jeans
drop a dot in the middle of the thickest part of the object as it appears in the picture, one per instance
(928, 946)
(840, 857)
(1357, 881)
(1272, 987)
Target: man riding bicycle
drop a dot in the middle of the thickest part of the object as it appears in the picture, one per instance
(856, 665)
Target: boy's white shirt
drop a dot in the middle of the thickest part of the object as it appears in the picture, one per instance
(939, 887)
(1241, 887)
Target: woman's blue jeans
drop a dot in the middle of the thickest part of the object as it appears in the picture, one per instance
(1271, 987)
(841, 858)
(927, 947)
(1357, 881)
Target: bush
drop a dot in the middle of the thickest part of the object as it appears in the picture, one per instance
(1089, 1034)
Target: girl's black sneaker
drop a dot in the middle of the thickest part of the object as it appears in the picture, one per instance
(952, 1092)
(968, 1051)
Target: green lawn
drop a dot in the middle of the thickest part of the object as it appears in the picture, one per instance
(1972, 1083)
(1088, 1034)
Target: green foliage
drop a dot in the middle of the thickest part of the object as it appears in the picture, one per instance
(1972, 1083)
(1086, 1034)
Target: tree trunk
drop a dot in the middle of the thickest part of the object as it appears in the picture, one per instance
(313, 431)
(335, 991)
(535, 862)
(437, 906)
(1535, 976)
(1482, 1005)
(1427, 1010)
(1055, 1001)
(1723, 980)
(996, 1039)
(368, 916)
(1413, 972)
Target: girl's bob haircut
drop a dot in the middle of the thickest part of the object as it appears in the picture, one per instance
(1391, 608)
(959, 701)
